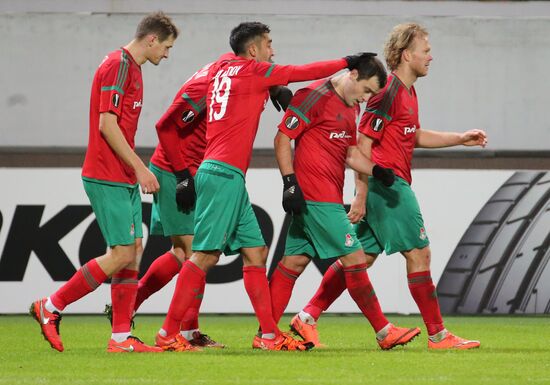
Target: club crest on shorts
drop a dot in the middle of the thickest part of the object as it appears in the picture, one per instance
(116, 99)
(188, 116)
(423, 234)
(292, 122)
(132, 229)
(349, 240)
(377, 124)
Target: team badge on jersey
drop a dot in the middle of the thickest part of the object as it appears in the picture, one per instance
(188, 116)
(377, 124)
(292, 122)
(423, 234)
(349, 240)
(116, 99)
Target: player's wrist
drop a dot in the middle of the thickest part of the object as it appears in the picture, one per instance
(290, 179)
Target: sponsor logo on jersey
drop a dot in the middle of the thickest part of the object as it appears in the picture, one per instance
(349, 240)
(377, 124)
(409, 130)
(292, 122)
(188, 116)
(116, 100)
(137, 104)
(423, 234)
(339, 135)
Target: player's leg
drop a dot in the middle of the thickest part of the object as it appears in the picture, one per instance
(167, 219)
(163, 268)
(361, 290)
(107, 201)
(424, 294)
(216, 216)
(282, 282)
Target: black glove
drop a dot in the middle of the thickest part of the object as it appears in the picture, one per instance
(293, 199)
(384, 175)
(353, 60)
(280, 97)
(185, 189)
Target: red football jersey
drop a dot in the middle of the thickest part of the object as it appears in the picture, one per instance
(182, 128)
(237, 94)
(391, 120)
(324, 126)
(117, 88)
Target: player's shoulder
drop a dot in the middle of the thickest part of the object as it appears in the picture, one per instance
(382, 102)
(115, 59)
(312, 96)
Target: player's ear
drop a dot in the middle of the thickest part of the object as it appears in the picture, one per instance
(354, 74)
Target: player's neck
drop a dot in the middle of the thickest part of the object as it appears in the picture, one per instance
(137, 50)
(338, 85)
(406, 75)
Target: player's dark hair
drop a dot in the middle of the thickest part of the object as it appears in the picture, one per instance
(369, 65)
(157, 23)
(242, 34)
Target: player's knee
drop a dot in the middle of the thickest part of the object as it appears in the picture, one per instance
(356, 258)
(123, 255)
(295, 262)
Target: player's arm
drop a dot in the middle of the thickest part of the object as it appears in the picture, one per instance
(293, 198)
(358, 207)
(439, 139)
(363, 165)
(273, 74)
(110, 130)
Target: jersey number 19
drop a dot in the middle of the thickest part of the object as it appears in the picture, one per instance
(220, 96)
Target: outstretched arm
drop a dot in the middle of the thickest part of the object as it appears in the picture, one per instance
(438, 139)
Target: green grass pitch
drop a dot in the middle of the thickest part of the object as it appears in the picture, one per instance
(514, 350)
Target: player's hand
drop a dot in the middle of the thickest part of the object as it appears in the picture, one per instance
(293, 198)
(358, 209)
(147, 180)
(280, 97)
(185, 189)
(353, 60)
(474, 138)
(384, 175)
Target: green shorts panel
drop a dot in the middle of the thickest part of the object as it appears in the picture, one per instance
(166, 217)
(393, 222)
(224, 218)
(117, 210)
(323, 230)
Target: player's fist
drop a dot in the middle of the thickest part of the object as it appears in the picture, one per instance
(293, 199)
(354, 60)
(185, 189)
(280, 97)
(384, 175)
(474, 138)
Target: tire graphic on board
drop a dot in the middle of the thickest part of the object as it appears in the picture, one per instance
(502, 263)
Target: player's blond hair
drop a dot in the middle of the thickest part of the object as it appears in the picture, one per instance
(401, 37)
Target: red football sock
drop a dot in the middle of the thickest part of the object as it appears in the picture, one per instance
(280, 287)
(190, 320)
(161, 271)
(84, 281)
(360, 289)
(188, 286)
(424, 294)
(331, 287)
(257, 287)
(123, 296)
